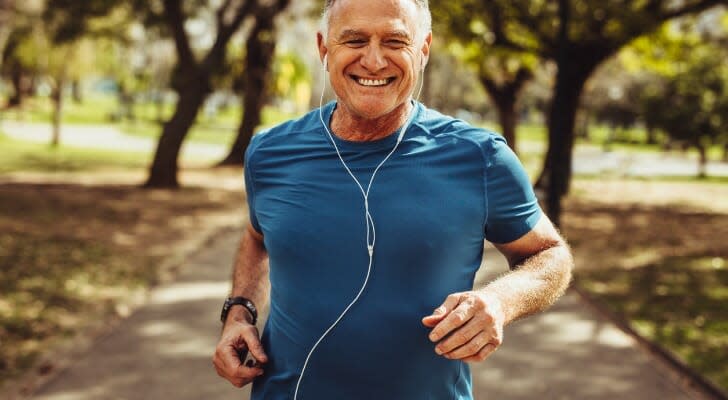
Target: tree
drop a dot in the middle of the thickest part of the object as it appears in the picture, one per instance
(193, 81)
(578, 35)
(687, 98)
(260, 48)
(502, 72)
(6, 14)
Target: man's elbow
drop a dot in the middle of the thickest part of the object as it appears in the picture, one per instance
(563, 265)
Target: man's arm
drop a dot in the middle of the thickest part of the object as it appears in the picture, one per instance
(469, 326)
(250, 280)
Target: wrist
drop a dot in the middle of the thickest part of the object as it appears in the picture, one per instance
(494, 305)
(244, 309)
(239, 313)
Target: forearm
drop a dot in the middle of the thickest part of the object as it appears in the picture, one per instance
(250, 273)
(533, 284)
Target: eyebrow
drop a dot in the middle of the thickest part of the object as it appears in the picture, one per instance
(354, 33)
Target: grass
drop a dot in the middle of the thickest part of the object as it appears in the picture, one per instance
(37, 157)
(72, 254)
(77, 253)
(680, 303)
(219, 130)
(95, 109)
(654, 252)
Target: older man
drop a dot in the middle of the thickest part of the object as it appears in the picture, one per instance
(369, 213)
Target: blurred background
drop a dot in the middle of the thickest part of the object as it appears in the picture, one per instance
(123, 126)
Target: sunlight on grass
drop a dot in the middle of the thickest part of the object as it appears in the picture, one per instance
(221, 129)
(28, 156)
(680, 303)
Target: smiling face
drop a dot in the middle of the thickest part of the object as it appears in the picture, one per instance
(374, 53)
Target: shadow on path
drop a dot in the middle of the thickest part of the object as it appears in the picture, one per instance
(165, 349)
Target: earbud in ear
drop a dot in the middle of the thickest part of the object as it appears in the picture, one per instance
(423, 63)
(325, 61)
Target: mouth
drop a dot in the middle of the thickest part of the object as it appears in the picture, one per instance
(372, 82)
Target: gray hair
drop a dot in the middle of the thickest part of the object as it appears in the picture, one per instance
(423, 6)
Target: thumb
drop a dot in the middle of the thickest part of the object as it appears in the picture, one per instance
(254, 346)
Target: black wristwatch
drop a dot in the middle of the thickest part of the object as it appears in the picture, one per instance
(233, 301)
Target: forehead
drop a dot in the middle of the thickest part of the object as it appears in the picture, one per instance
(373, 16)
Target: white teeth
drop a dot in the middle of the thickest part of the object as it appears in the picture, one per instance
(372, 82)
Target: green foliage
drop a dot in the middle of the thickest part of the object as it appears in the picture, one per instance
(689, 98)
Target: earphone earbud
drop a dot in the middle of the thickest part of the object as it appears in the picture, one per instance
(325, 62)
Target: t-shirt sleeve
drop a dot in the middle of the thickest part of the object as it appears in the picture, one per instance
(512, 207)
(248, 171)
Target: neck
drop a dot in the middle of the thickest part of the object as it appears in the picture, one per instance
(360, 129)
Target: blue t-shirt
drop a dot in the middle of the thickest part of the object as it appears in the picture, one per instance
(446, 189)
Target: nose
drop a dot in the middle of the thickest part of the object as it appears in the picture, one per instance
(373, 58)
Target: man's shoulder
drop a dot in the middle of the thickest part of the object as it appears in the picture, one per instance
(437, 124)
(287, 130)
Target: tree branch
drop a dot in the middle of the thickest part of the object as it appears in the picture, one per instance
(176, 20)
(691, 8)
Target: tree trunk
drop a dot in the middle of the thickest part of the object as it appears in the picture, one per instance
(260, 48)
(507, 120)
(17, 79)
(57, 97)
(163, 173)
(76, 91)
(555, 177)
(702, 162)
(651, 134)
(505, 97)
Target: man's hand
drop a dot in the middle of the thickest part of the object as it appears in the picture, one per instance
(468, 326)
(237, 338)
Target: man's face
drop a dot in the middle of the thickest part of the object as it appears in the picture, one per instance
(374, 54)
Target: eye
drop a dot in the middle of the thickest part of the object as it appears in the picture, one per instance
(356, 42)
(397, 44)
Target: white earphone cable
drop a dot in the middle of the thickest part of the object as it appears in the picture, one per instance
(371, 231)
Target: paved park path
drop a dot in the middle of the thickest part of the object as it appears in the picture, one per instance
(163, 351)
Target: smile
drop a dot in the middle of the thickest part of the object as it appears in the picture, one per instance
(372, 82)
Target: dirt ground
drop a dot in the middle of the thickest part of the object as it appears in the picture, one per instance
(79, 250)
(629, 223)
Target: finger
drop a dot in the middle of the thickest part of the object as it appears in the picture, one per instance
(484, 353)
(442, 311)
(460, 337)
(469, 349)
(455, 319)
(238, 376)
(252, 342)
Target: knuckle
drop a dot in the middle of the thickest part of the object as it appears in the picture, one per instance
(458, 317)
(460, 337)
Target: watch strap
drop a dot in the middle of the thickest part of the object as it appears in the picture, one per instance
(239, 300)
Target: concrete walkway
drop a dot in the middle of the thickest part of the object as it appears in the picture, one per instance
(164, 350)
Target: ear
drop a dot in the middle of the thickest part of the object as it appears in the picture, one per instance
(426, 51)
(321, 49)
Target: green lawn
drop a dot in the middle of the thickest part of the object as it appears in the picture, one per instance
(219, 130)
(29, 156)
